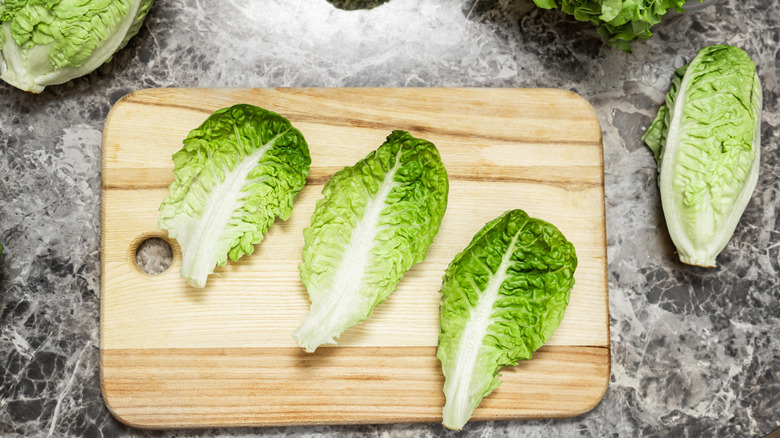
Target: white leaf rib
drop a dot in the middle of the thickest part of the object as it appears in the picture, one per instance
(457, 387)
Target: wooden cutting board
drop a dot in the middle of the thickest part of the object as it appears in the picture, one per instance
(175, 356)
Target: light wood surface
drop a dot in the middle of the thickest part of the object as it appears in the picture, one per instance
(175, 356)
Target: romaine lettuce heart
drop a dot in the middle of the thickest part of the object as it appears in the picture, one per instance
(235, 174)
(502, 298)
(706, 140)
(375, 220)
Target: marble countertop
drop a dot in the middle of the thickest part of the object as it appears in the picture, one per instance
(695, 352)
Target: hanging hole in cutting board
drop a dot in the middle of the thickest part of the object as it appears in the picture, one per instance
(153, 256)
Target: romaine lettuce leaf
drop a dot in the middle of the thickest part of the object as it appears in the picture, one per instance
(235, 174)
(375, 220)
(502, 298)
(706, 139)
(49, 42)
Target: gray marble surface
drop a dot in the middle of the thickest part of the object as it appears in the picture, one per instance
(695, 352)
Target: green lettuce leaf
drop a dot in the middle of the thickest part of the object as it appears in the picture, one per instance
(375, 220)
(619, 21)
(235, 174)
(49, 42)
(706, 139)
(502, 298)
(655, 137)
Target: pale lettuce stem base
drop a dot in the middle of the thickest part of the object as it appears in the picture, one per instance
(320, 326)
(457, 409)
(21, 82)
(698, 260)
(196, 266)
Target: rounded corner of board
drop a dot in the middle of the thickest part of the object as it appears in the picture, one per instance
(118, 412)
(122, 100)
(117, 415)
(107, 400)
(574, 95)
(586, 105)
(136, 95)
(592, 401)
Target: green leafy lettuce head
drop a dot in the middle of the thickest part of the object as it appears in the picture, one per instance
(49, 42)
(502, 298)
(235, 174)
(706, 140)
(619, 21)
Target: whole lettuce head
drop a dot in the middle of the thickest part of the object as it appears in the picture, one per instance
(49, 42)
(707, 142)
(619, 21)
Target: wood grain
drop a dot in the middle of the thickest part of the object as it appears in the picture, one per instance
(285, 386)
(174, 356)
